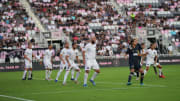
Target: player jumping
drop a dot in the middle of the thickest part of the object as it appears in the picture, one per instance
(71, 55)
(89, 60)
(151, 59)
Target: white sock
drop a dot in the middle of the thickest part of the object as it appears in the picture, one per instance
(145, 72)
(30, 72)
(58, 74)
(77, 75)
(24, 74)
(85, 78)
(46, 72)
(94, 75)
(65, 77)
(160, 71)
(49, 73)
(72, 73)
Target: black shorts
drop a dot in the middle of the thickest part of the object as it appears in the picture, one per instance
(135, 64)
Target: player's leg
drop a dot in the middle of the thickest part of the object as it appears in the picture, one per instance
(30, 74)
(46, 73)
(72, 74)
(60, 71)
(86, 76)
(131, 74)
(137, 75)
(24, 73)
(27, 66)
(87, 70)
(96, 72)
(66, 74)
(75, 67)
(147, 68)
(142, 76)
(160, 71)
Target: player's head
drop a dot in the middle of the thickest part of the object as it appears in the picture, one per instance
(134, 41)
(30, 45)
(93, 39)
(50, 47)
(143, 45)
(66, 45)
(74, 45)
(153, 45)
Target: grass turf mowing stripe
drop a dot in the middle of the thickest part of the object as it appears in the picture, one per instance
(17, 98)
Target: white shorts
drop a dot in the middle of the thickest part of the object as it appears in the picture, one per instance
(148, 64)
(62, 66)
(47, 64)
(73, 66)
(91, 64)
(28, 64)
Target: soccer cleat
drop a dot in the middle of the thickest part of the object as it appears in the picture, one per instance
(162, 76)
(72, 79)
(129, 83)
(29, 78)
(55, 80)
(24, 78)
(85, 85)
(92, 82)
(141, 84)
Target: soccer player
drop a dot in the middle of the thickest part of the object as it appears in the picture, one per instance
(63, 60)
(89, 60)
(28, 62)
(151, 59)
(71, 55)
(47, 60)
(143, 51)
(134, 60)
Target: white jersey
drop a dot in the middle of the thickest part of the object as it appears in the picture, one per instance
(72, 54)
(48, 54)
(151, 55)
(63, 53)
(90, 51)
(28, 53)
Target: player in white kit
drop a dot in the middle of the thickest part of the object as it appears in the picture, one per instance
(71, 56)
(151, 59)
(28, 55)
(63, 60)
(47, 60)
(89, 60)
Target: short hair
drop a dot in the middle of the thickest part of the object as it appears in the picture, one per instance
(143, 43)
(152, 43)
(74, 43)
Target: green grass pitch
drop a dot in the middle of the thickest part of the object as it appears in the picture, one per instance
(111, 86)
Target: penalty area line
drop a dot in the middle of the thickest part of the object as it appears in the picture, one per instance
(17, 98)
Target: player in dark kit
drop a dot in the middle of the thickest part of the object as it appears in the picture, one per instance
(134, 60)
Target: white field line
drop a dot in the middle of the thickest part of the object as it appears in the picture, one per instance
(118, 83)
(17, 98)
(75, 91)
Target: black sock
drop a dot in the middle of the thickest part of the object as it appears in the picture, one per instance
(142, 77)
(130, 76)
(137, 74)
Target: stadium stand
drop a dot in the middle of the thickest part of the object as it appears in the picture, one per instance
(16, 26)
